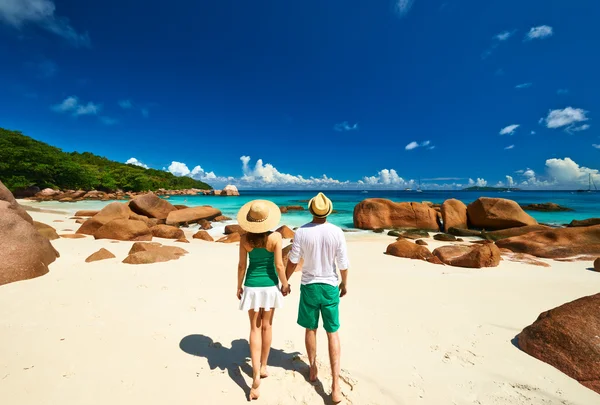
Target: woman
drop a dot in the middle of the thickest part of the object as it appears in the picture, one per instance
(260, 294)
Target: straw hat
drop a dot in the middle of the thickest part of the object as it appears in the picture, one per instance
(320, 206)
(259, 216)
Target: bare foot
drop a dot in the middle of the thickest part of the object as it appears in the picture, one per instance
(263, 372)
(314, 373)
(336, 395)
(255, 390)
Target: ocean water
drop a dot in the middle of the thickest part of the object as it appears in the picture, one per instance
(585, 205)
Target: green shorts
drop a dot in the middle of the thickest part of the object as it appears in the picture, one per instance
(323, 299)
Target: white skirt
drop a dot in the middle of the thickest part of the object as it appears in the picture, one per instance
(261, 298)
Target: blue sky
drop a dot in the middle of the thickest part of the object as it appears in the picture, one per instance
(354, 94)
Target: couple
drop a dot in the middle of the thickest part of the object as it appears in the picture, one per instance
(321, 245)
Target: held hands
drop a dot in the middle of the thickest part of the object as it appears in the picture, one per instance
(343, 290)
(240, 291)
(286, 290)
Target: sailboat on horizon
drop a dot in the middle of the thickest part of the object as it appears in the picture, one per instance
(590, 183)
(419, 188)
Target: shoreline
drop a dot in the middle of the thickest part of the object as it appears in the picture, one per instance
(111, 332)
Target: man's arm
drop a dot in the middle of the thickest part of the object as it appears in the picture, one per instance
(343, 263)
(293, 257)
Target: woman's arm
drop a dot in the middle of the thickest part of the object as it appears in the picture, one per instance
(242, 264)
(279, 263)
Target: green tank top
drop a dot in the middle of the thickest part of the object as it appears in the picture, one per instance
(261, 271)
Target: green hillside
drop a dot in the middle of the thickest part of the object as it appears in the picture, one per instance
(25, 162)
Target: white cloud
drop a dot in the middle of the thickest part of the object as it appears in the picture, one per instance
(596, 146)
(567, 172)
(411, 146)
(344, 126)
(565, 118)
(574, 128)
(510, 181)
(426, 143)
(509, 147)
(108, 121)
(178, 169)
(266, 174)
(503, 36)
(509, 130)
(479, 183)
(135, 162)
(386, 177)
(18, 13)
(541, 32)
(403, 6)
(71, 104)
(125, 104)
(523, 86)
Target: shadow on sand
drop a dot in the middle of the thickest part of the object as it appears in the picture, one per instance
(235, 360)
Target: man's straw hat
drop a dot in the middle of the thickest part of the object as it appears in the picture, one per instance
(259, 216)
(320, 206)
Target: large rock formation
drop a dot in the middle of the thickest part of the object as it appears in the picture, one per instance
(102, 254)
(374, 213)
(151, 206)
(124, 229)
(567, 338)
(454, 214)
(86, 213)
(230, 190)
(545, 207)
(286, 232)
(147, 253)
(511, 232)
(46, 230)
(167, 232)
(473, 257)
(6, 195)
(24, 253)
(585, 222)
(109, 213)
(409, 250)
(556, 243)
(497, 213)
(191, 215)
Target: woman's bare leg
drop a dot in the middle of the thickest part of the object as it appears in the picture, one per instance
(255, 350)
(267, 337)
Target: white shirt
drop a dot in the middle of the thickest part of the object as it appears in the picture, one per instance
(321, 246)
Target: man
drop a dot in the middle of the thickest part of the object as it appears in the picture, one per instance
(321, 245)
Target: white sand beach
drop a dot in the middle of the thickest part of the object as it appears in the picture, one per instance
(412, 332)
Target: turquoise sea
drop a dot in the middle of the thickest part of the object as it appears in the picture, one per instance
(585, 205)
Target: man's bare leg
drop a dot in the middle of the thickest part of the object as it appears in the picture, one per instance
(255, 351)
(334, 358)
(267, 336)
(311, 350)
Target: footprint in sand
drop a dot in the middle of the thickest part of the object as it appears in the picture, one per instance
(464, 357)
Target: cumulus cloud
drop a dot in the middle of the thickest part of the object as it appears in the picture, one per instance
(523, 86)
(567, 117)
(510, 181)
(509, 130)
(541, 32)
(403, 7)
(479, 183)
(19, 13)
(135, 162)
(411, 146)
(267, 175)
(563, 174)
(387, 177)
(509, 147)
(178, 169)
(73, 105)
(345, 126)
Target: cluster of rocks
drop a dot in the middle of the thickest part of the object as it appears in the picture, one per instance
(509, 229)
(48, 194)
(26, 253)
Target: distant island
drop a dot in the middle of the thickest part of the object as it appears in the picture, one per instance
(476, 188)
(25, 163)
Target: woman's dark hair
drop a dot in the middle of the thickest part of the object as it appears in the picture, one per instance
(257, 240)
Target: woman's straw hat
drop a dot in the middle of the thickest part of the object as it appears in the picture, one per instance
(320, 206)
(259, 216)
